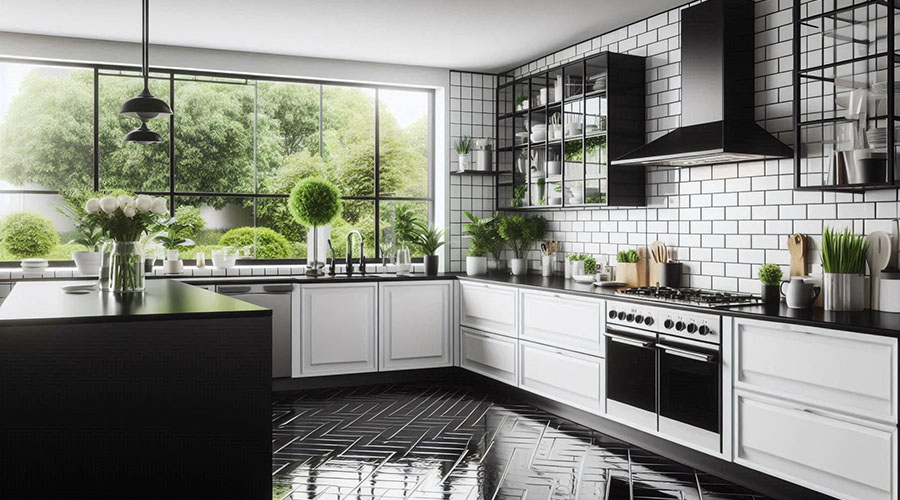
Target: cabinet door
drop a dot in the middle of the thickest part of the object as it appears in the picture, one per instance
(848, 372)
(564, 376)
(338, 328)
(415, 324)
(840, 456)
(490, 355)
(489, 308)
(563, 321)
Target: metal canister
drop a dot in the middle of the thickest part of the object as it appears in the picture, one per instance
(483, 155)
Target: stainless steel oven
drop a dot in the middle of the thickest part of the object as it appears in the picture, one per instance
(631, 378)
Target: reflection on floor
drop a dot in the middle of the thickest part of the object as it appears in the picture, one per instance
(448, 443)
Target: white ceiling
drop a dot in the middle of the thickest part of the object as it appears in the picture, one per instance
(474, 35)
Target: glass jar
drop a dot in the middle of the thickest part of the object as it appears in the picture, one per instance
(126, 267)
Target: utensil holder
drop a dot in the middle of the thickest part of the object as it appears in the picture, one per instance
(670, 274)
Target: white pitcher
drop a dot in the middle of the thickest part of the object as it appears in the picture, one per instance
(800, 294)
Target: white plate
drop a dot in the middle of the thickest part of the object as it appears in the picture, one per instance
(617, 284)
(583, 278)
(85, 287)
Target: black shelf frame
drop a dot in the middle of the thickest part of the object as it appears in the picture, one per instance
(800, 74)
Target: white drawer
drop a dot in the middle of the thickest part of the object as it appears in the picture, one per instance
(489, 308)
(563, 321)
(841, 457)
(847, 372)
(490, 355)
(564, 376)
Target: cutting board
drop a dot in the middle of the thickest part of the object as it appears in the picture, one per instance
(797, 249)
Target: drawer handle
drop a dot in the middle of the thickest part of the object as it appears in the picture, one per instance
(234, 289)
(277, 288)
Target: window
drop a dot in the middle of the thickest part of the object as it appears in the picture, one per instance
(229, 157)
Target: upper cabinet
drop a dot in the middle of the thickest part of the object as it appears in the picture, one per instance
(558, 130)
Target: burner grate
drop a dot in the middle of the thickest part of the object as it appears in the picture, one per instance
(697, 296)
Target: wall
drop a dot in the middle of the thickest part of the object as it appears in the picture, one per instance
(726, 220)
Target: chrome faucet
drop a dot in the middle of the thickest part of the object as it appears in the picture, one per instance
(331, 268)
(362, 257)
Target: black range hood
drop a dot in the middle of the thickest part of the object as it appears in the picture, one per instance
(717, 45)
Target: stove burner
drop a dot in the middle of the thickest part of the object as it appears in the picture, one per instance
(698, 296)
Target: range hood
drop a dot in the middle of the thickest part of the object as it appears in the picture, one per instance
(717, 45)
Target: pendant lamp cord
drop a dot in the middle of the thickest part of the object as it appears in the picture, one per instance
(145, 45)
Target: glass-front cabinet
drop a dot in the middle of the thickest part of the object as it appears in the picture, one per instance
(559, 129)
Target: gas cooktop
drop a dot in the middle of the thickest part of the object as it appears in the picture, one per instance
(692, 296)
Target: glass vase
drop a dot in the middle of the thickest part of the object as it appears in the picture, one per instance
(126, 267)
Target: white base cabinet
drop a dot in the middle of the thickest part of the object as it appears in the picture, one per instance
(490, 355)
(416, 322)
(564, 376)
(338, 328)
(489, 308)
(563, 321)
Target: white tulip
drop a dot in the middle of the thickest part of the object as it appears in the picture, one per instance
(125, 201)
(108, 204)
(129, 211)
(92, 206)
(159, 206)
(143, 203)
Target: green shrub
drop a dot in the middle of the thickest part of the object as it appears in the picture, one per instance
(590, 263)
(189, 219)
(315, 202)
(770, 274)
(28, 234)
(269, 244)
(521, 232)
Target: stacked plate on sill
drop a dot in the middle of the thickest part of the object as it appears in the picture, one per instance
(33, 266)
(877, 138)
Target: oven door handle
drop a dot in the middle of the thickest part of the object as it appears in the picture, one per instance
(629, 341)
(696, 356)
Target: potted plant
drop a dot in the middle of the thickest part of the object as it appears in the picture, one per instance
(463, 147)
(844, 262)
(520, 233)
(521, 102)
(629, 269)
(483, 239)
(770, 283)
(88, 234)
(578, 264)
(314, 202)
(170, 238)
(429, 239)
(28, 235)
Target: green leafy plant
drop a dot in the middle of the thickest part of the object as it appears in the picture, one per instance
(269, 244)
(520, 100)
(27, 234)
(518, 195)
(521, 232)
(315, 202)
(463, 145)
(170, 236)
(405, 220)
(429, 238)
(770, 274)
(844, 253)
(484, 238)
(628, 256)
(590, 263)
(88, 231)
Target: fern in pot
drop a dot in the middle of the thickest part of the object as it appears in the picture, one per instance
(484, 239)
(520, 233)
(844, 263)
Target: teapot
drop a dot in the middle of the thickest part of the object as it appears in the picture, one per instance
(800, 294)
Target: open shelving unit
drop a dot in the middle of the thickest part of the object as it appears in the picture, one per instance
(845, 83)
(558, 130)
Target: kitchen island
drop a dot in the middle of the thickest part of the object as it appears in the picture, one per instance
(164, 394)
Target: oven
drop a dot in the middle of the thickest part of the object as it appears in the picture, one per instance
(631, 378)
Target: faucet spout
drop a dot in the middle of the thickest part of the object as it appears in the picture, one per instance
(362, 262)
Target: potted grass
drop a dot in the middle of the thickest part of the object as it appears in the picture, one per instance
(844, 264)
(483, 240)
(463, 148)
(770, 283)
(428, 239)
(520, 233)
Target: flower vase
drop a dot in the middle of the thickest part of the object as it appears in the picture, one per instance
(126, 267)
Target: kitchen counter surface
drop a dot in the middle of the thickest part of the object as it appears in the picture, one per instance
(45, 302)
(871, 322)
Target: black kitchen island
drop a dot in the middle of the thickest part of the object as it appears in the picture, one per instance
(164, 394)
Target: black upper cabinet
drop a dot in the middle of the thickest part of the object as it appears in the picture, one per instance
(558, 130)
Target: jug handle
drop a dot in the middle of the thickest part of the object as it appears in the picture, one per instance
(781, 288)
(816, 291)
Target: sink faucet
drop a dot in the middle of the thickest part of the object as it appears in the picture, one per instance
(362, 258)
(331, 270)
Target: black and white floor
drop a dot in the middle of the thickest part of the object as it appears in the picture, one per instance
(448, 443)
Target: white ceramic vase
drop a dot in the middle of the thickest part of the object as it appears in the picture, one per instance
(465, 162)
(476, 265)
(88, 263)
(519, 267)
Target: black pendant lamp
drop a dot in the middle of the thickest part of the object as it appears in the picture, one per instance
(144, 106)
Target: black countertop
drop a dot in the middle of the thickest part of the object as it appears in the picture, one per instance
(872, 322)
(45, 302)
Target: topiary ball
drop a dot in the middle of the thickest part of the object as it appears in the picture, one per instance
(269, 244)
(315, 202)
(27, 234)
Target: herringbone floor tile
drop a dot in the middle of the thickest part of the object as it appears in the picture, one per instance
(449, 443)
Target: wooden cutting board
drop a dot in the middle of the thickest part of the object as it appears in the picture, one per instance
(797, 249)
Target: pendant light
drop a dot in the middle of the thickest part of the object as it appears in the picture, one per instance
(144, 106)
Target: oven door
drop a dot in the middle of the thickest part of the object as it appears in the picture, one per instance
(631, 377)
(690, 392)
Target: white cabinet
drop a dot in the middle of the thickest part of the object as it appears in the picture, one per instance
(844, 457)
(489, 308)
(563, 321)
(848, 372)
(564, 376)
(415, 324)
(338, 328)
(490, 355)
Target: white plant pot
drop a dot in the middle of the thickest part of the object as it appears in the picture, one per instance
(577, 268)
(172, 254)
(173, 266)
(476, 265)
(546, 265)
(88, 263)
(844, 292)
(465, 162)
(519, 266)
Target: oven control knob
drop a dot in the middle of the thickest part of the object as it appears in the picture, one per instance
(669, 324)
(612, 314)
(679, 326)
(648, 320)
(704, 330)
(692, 328)
(629, 317)
(639, 319)
(621, 315)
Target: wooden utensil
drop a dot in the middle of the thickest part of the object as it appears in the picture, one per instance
(878, 258)
(797, 249)
(657, 256)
